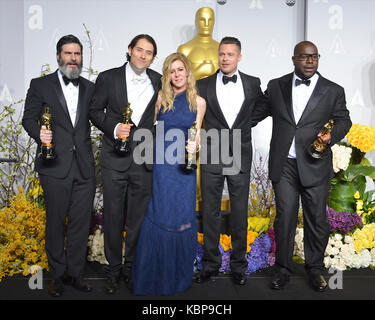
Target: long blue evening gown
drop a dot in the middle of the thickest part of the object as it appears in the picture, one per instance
(167, 242)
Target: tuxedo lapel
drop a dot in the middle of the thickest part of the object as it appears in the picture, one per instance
(247, 92)
(319, 91)
(213, 101)
(81, 101)
(286, 89)
(120, 84)
(60, 95)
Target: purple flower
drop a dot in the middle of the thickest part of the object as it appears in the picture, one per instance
(342, 221)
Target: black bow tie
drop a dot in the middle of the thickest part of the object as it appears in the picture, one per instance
(74, 81)
(304, 81)
(227, 79)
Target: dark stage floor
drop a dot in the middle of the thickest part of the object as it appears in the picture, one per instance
(356, 284)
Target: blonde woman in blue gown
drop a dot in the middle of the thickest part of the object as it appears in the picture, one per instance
(167, 243)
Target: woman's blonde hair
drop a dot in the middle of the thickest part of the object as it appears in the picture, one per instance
(167, 94)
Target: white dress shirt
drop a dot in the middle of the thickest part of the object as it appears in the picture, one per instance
(300, 97)
(139, 91)
(71, 93)
(230, 96)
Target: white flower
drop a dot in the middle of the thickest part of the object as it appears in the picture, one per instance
(341, 157)
(338, 237)
(372, 252)
(348, 239)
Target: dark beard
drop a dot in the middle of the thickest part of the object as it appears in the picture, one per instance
(69, 73)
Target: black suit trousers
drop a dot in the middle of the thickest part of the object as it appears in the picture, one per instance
(125, 195)
(288, 192)
(70, 197)
(212, 188)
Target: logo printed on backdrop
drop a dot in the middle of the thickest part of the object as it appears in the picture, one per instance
(256, 4)
(337, 46)
(36, 18)
(357, 100)
(5, 95)
(273, 49)
(290, 3)
(101, 43)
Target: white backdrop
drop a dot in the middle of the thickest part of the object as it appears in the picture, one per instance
(344, 31)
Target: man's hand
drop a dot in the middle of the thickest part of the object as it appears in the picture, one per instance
(45, 135)
(123, 130)
(324, 138)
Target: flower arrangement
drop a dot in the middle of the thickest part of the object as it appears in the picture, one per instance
(351, 178)
(257, 254)
(22, 231)
(362, 137)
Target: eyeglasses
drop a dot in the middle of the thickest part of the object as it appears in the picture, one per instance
(305, 57)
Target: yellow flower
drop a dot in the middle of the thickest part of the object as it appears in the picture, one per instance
(364, 238)
(226, 242)
(258, 224)
(362, 137)
(359, 206)
(200, 237)
(356, 195)
(22, 232)
(251, 236)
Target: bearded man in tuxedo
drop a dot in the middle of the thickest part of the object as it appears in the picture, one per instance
(68, 181)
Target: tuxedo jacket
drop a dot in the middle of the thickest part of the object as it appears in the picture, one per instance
(327, 102)
(106, 111)
(214, 119)
(69, 140)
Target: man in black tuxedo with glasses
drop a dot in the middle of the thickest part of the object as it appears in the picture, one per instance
(300, 104)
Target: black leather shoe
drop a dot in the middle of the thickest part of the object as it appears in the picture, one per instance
(205, 276)
(112, 285)
(239, 278)
(56, 288)
(77, 283)
(128, 282)
(318, 283)
(279, 281)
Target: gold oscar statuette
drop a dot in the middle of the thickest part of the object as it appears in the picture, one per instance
(317, 149)
(190, 158)
(47, 149)
(122, 143)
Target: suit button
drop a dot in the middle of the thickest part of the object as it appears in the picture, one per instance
(297, 127)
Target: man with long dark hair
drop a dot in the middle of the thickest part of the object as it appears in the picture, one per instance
(125, 181)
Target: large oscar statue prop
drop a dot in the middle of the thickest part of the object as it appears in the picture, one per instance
(202, 52)
(190, 158)
(317, 149)
(122, 143)
(47, 149)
